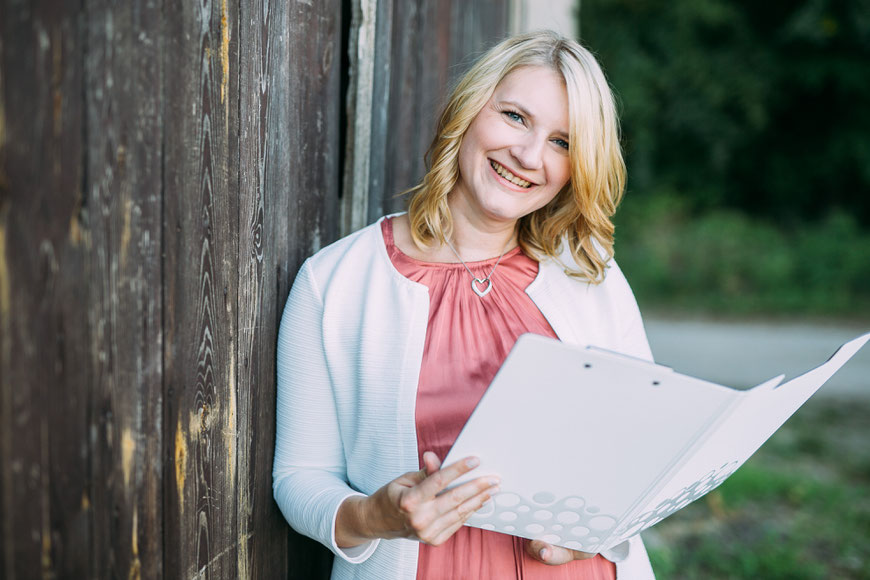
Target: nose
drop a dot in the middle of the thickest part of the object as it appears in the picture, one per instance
(529, 152)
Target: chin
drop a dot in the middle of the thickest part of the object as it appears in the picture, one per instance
(507, 214)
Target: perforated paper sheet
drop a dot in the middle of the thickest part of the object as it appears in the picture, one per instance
(593, 447)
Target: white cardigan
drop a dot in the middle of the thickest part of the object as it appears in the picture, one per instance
(350, 348)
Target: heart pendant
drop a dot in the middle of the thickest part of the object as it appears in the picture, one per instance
(481, 292)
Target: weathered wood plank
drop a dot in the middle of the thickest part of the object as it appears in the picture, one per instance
(314, 109)
(256, 20)
(123, 167)
(381, 200)
(304, 191)
(476, 25)
(419, 76)
(201, 288)
(44, 365)
(7, 550)
(265, 78)
(361, 43)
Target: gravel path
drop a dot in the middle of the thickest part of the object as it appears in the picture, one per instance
(744, 354)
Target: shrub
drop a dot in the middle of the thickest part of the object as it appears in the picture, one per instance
(724, 262)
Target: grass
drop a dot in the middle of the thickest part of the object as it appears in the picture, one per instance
(798, 509)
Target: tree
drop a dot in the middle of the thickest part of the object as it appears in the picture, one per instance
(763, 107)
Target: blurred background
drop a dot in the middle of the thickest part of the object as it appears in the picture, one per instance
(745, 233)
(747, 133)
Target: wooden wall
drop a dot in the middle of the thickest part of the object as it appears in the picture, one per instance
(164, 169)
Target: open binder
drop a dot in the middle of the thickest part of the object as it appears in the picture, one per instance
(593, 447)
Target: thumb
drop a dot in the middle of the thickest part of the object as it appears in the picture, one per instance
(547, 554)
(536, 549)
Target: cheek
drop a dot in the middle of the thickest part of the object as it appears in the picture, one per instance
(466, 153)
(489, 133)
(561, 173)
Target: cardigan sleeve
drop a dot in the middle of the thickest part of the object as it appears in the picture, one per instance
(309, 479)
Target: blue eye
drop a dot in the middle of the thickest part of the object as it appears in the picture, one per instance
(561, 143)
(514, 116)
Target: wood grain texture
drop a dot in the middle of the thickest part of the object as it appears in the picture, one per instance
(123, 189)
(263, 245)
(419, 55)
(312, 177)
(380, 199)
(44, 364)
(200, 264)
(305, 189)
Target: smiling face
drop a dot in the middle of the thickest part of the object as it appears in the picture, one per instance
(514, 156)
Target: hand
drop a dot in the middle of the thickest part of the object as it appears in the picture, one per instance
(553, 555)
(413, 505)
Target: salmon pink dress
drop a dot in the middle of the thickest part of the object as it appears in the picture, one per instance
(467, 339)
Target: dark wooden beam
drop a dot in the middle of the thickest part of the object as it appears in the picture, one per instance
(45, 369)
(200, 265)
(123, 197)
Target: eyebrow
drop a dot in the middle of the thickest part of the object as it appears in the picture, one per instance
(525, 112)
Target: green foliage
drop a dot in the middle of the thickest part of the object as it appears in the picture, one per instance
(726, 262)
(760, 106)
(768, 557)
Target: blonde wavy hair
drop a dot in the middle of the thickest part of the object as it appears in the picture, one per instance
(580, 214)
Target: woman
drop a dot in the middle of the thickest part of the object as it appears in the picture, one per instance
(391, 335)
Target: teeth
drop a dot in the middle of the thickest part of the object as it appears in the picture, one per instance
(509, 176)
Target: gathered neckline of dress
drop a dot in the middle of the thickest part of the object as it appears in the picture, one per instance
(396, 253)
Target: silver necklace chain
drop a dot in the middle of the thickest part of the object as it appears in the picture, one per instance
(476, 282)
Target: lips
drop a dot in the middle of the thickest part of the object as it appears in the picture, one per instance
(503, 172)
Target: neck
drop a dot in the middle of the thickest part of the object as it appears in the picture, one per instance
(480, 240)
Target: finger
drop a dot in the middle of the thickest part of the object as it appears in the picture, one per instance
(468, 502)
(412, 478)
(431, 463)
(428, 518)
(431, 466)
(447, 525)
(438, 481)
(462, 497)
(451, 520)
(443, 535)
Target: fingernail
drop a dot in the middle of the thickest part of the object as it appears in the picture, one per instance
(543, 553)
(472, 462)
(494, 481)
